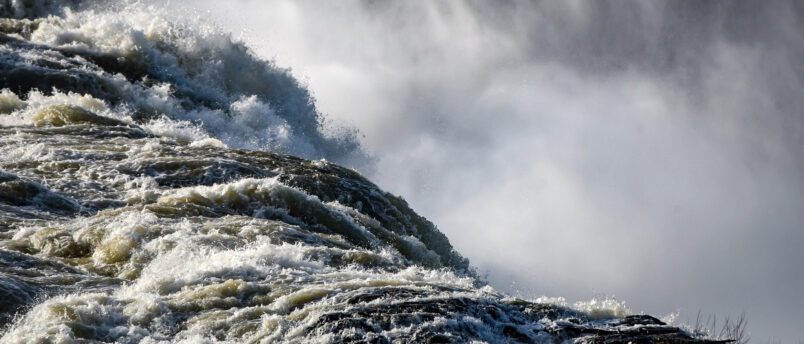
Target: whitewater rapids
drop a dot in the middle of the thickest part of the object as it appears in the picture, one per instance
(150, 193)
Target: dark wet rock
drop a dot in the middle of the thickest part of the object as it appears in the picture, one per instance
(451, 319)
(15, 295)
(188, 171)
(24, 279)
(34, 9)
(16, 191)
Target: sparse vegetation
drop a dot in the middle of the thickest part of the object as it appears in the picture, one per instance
(732, 329)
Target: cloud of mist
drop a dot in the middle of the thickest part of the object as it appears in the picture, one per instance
(651, 151)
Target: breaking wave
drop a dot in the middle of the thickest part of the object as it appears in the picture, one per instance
(175, 77)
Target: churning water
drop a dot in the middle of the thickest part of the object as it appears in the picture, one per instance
(150, 191)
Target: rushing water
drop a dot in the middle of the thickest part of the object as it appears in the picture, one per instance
(148, 194)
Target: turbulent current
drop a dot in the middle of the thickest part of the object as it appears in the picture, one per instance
(150, 192)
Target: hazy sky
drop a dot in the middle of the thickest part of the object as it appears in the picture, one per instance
(651, 151)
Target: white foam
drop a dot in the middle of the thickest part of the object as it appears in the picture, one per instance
(204, 79)
(601, 308)
(181, 130)
(9, 101)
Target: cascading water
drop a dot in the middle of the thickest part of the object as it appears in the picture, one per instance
(148, 193)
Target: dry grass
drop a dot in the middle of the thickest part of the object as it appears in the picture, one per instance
(731, 329)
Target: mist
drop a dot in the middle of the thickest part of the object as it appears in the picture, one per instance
(651, 152)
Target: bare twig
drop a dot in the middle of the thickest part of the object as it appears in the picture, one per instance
(732, 330)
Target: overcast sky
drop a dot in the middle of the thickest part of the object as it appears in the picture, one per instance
(651, 151)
